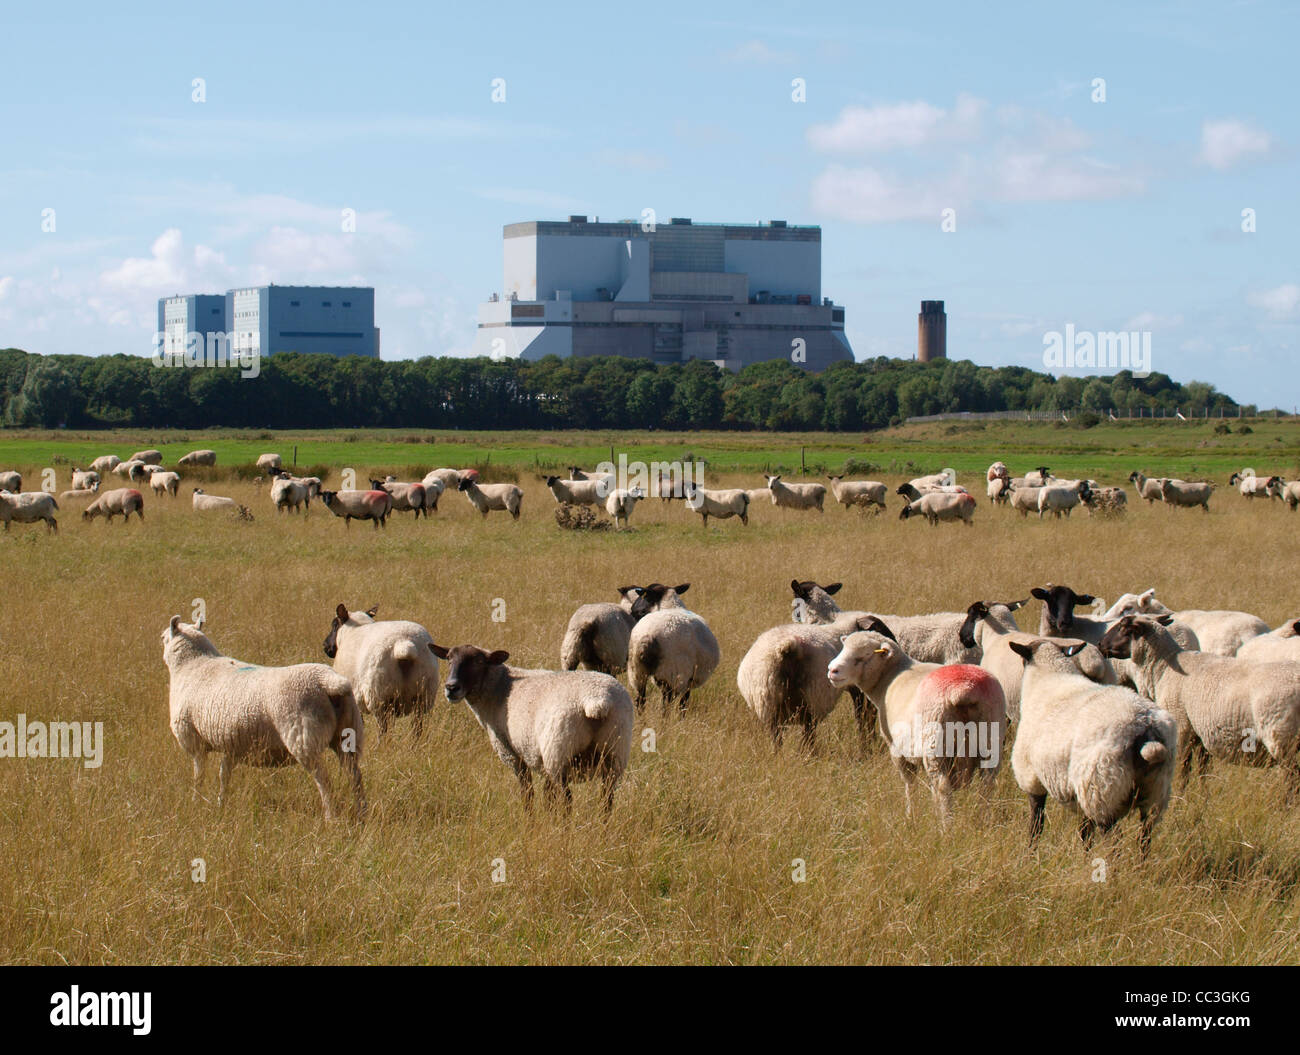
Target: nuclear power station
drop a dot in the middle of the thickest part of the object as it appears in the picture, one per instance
(931, 331)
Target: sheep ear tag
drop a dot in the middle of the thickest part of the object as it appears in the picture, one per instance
(880, 650)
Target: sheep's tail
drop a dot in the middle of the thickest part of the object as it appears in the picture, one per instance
(1150, 751)
(405, 653)
(583, 650)
(53, 502)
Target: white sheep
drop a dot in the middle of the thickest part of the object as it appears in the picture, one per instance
(433, 488)
(1099, 750)
(759, 494)
(943, 478)
(561, 724)
(203, 457)
(1108, 501)
(1183, 493)
(936, 507)
(670, 645)
(489, 497)
(999, 490)
(1280, 645)
(288, 494)
(262, 716)
(11, 481)
(269, 463)
(407, 497)
(998, 471)
(796, 496)
(27, 507)
(1252, 486)
(165, 483)
(947, 723)
(578, 492)
(375, 506)
(621, 502)
(149, 457)
(721, 505)
(862, 493)
(390, 664)
(130, 469)
(1231, 709)
(84, 480)
(123, 500)
(106, 463)
(1148, 489)
(1040, 477)
(448, 478)
(77, 495)
(206, 503)
(1058, 499)
(1291, 494)
(912, 493)
(597, 635)
(1025, 499)
(1221, 632)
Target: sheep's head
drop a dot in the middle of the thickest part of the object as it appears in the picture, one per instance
(1051, 655)
(375, 485)
(864, 656)
(467, 667)
(465, 484)
(1143, 603)
(812, 603)
(907, 511)
(551, 481)
(178, 637)
(1060, 602)
(627, 596)
(657, 596)
(329, 498)
(1120, 640)
(771, 479)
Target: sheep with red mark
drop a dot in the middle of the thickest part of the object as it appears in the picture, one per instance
(946, 724)
(407, 497)
(374, 506)
(123, 500)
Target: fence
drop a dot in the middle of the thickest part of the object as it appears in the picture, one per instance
(1111, 415)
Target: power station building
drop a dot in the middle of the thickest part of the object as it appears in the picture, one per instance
(733, 294)
(330, 320)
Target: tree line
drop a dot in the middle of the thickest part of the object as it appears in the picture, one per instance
(322, 391)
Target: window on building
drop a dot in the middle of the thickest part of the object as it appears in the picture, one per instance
(347, 303)
(324, 303)
(293, 304)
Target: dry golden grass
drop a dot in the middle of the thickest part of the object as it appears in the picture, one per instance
(696, 863)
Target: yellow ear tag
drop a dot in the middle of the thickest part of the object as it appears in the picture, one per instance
(879, 650)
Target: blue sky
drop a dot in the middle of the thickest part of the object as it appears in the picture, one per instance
(1122, 214)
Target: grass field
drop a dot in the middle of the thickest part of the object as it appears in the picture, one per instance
(696, 863)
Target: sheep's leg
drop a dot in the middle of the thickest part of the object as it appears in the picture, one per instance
(941, 792)
(1291, 781)
(809, 732)
(1037, 816)
(864, 715)
(200, 759)
(223, 778)
(1144, 834)
(1087, 832)
(316, 767)
(525, 785)
(908, 774)
(682, 701)
(351, 765)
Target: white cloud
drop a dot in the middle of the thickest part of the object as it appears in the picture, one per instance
(867, 195)
(1229, 142)
(169, 268)
(894, 126)
(1281, 302)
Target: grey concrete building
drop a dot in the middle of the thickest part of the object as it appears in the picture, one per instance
(733, 294)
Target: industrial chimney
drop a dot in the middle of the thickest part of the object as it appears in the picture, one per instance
(931, 331)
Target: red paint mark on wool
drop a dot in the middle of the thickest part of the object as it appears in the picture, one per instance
(964, 681)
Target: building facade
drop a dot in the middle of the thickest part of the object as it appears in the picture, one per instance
(329, 320)
(729, 293)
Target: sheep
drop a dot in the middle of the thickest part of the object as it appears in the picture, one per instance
(933, 638)
(862, 493)
(204, 457)
(449, 478)
(1057, 499)
(269, 463)
(106, 463)
(407, 498)
(84, 480)
(124, 500)
(11, 481)
(262, 716)
(561, 724)
(488, 497)
(945, 722)
(936, 507)
(1182, 493)
(621, 502)
(312, 483)
(669, 645)
(597, 635)
(144, 472)
(1108, 501)
(998, 471)
(593, 475)
(758, 494)
(374, 506)
(76, 495)
(1148, 489)
(578, 492)
(1252, 486)
(149, 457)
(943, 478)
(1058, 618)
(1007, 666)
(433, 488)
(1025, 499)
(1040, 477)
(1226, 708)
(782, 677)
(911, 492)
(721, 505)
(999, 490)
(390, 664)
(1282, 644)
(796, 496)
(165, 483)
(1099, 750)
(27, 507)
(1219, 632)
(1291, 494)
(206, 503)
(288, 494)
(129, 469)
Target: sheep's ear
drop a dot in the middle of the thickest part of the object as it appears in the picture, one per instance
(342, 612)
(623, 591)
(1072, 650)
(499, 656)
(1296, 626)
(682, 588)
(176, 621)
(1147, 595)
(1013, 605)
(372, 610)
(1165, 620)
(1039, 592)
(1083, 598)
(1021, 649)
(833, 587)
(876, 625)
(439, 651)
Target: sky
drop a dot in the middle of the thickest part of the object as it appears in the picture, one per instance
(1098, 161)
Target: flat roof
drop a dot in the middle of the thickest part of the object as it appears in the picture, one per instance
(774, 231)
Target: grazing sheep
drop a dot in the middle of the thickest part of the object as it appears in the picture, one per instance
(130, 469)
(489, 497)
(1057, 499)
(943, 478)
(912, 493)
(204, 457)
(1219, 632)
(106, 463)
(783, 677)
(561, 724)
(1099, 750)
(1025, 499)
(165, 483)
(11, 481)
(670, 645)
(149, 457)
(374, 506)
(1291, 494)
(795, 496)
(1148, 489)
(937, 506)
(449, 478)
(1108, 501)
(390, 664)
(945, 722)
(288, 494)
(84, 494)
(1226, 708)
(312, 483)
(407, 498)
(862, 493)
(578, 492)
(205, 503)
(721, 505)
(261, 716)
(1182, 493)
(27, 507)
(590, 474)
(1277, 646)
(269, 463)
(597, 635)
(621, 502)
(84, 480)
(1058, 618)
(124, 500)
